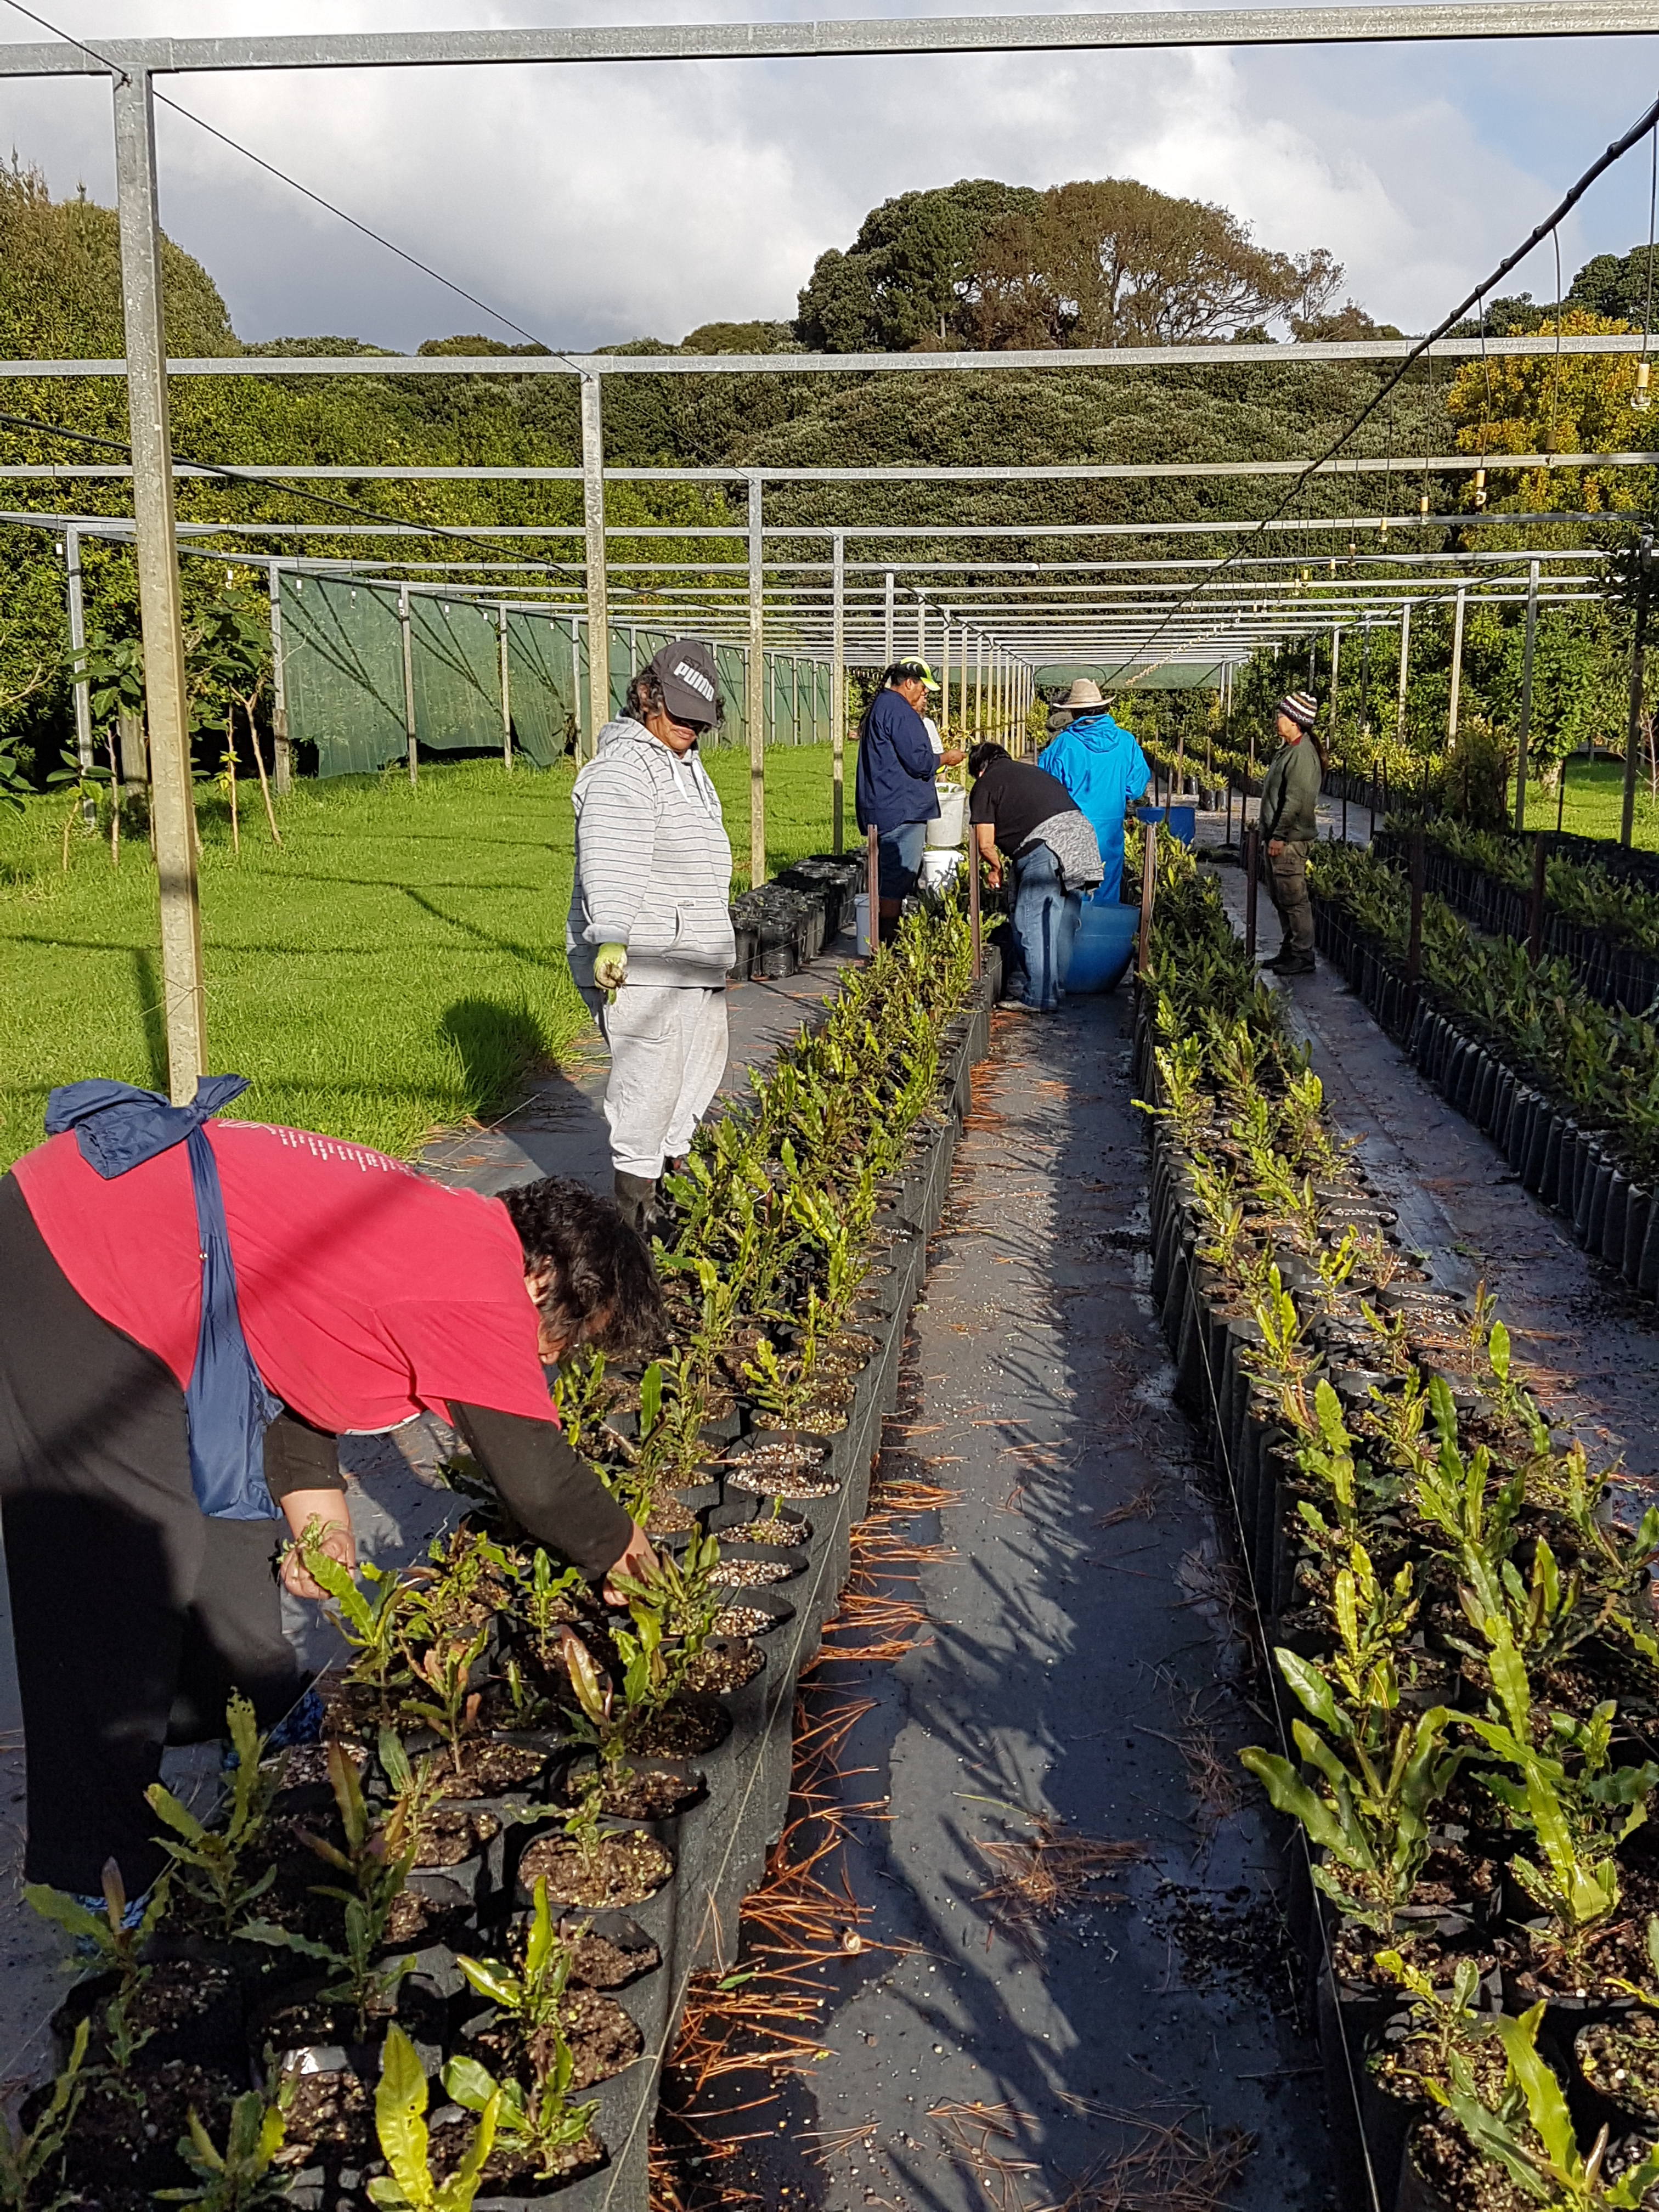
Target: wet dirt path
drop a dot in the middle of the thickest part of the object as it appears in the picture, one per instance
(1067, 1676)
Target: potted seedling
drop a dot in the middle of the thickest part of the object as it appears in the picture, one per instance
(400, 2103)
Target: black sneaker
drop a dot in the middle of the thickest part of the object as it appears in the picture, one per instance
(1294, 963)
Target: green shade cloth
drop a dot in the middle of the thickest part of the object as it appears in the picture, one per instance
(343, 673)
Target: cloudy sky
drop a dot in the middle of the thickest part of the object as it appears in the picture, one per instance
(598, 203)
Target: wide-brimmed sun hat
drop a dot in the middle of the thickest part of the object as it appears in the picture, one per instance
(1085, 692)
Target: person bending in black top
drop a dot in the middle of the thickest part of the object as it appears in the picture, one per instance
(1021, 811)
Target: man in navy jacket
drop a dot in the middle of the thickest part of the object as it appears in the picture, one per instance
(895, 789)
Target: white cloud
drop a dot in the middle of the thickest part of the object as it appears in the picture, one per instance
(598, 203)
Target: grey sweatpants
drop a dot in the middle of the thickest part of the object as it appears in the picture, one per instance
(667, 1059)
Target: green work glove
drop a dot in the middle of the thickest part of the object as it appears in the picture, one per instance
(610, 968)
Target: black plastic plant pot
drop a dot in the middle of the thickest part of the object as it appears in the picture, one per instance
(728, 1522)
(424, 2017)
(1413, 2193)
(747, 1471)
(698, 1497)
(1595, 2101)
(768, 1602)
(213, 2035)
(683, 1785)
(520, 1892)
(624, 1933)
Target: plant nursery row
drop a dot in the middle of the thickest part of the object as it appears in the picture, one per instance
(1566, 1088)
(436, 1960)
(1463, 1649)
(1604, 926)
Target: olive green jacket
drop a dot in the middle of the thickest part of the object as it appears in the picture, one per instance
(1290, 794)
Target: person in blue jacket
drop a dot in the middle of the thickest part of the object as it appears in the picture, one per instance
(1104, 769)
(895, 787)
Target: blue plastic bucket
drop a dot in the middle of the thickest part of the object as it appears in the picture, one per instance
(1182, 822)
(1105, 945)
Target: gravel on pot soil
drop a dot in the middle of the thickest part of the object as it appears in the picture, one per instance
(173, 1993)
(786, 1530)
(679, 1730)
(740, 1574)
(720, 1668)
(452, 1833)
(330, 2112)
(743, 1620)
(1621, 2059)
(601, 2037)
(488, 1769)
(782, 1470)
(599, 1964)
(633, 1793)
(308, 1762)
(114, 2144)
(668, 1517)
(506, 2171)
(630, 1867)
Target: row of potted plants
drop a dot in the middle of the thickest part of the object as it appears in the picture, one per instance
(1456, 1620)
(1604, 926)
(1567, 1088)
(436, 1960)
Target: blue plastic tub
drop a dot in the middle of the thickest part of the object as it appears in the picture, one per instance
(1182, 822)
(1105, 946)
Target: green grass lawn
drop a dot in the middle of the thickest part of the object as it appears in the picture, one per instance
(396, 968)
(1594, 804)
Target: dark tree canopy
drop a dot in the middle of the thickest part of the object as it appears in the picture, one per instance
(983, 265)
(1616, 285)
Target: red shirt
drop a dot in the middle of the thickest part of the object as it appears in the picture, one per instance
(368, 1294)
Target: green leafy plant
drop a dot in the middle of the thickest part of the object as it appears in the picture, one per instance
(1579, 1816)
(445, 1669)
(30, 2158)
(1372, 1816)
(540, 2122)
(400, 2102)
(116, 1948)
(244, 2173)
(212, 1864)
(371, 1625)
(531, 1998)
(1440, 2024)
(1542, 2157)
(377, 1873)
(546, 1605)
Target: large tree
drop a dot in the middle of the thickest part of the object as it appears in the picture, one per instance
(1110, 262)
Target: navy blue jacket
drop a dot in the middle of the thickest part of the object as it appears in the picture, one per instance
(896, 766)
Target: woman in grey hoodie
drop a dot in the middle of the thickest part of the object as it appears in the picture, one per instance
(649, 937)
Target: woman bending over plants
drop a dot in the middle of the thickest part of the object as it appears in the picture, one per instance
(190, 1316)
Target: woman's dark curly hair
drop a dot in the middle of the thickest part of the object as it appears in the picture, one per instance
(602, 1289)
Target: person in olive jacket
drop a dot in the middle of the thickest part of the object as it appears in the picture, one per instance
(1288, 821)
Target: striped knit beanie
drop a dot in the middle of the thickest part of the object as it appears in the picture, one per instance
(1301, 708)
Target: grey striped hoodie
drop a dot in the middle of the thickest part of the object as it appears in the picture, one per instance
(654, 865)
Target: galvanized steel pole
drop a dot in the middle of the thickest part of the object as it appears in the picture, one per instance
(507, 697)
(409, 684)
(1638, 671)
(1457, 667)
(77, 626)
(599, 613)
(887, 635)
(282, 765)
(838, 678)
(1405, 670)
(755, 691)
(173, 801)
(1525, 730)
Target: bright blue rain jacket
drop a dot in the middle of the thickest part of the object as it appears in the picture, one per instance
(118, 1126)
(1102, 766)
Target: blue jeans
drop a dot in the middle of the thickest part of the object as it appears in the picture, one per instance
(898, 859)
(1046, 917)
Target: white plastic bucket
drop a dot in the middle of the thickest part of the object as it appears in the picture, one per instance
(950, 828)
(938, 868)
(861, 909)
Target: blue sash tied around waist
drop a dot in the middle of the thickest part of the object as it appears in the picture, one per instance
(119, 1127)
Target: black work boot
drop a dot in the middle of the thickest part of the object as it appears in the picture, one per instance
(636, 1197)
(1294, 964)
